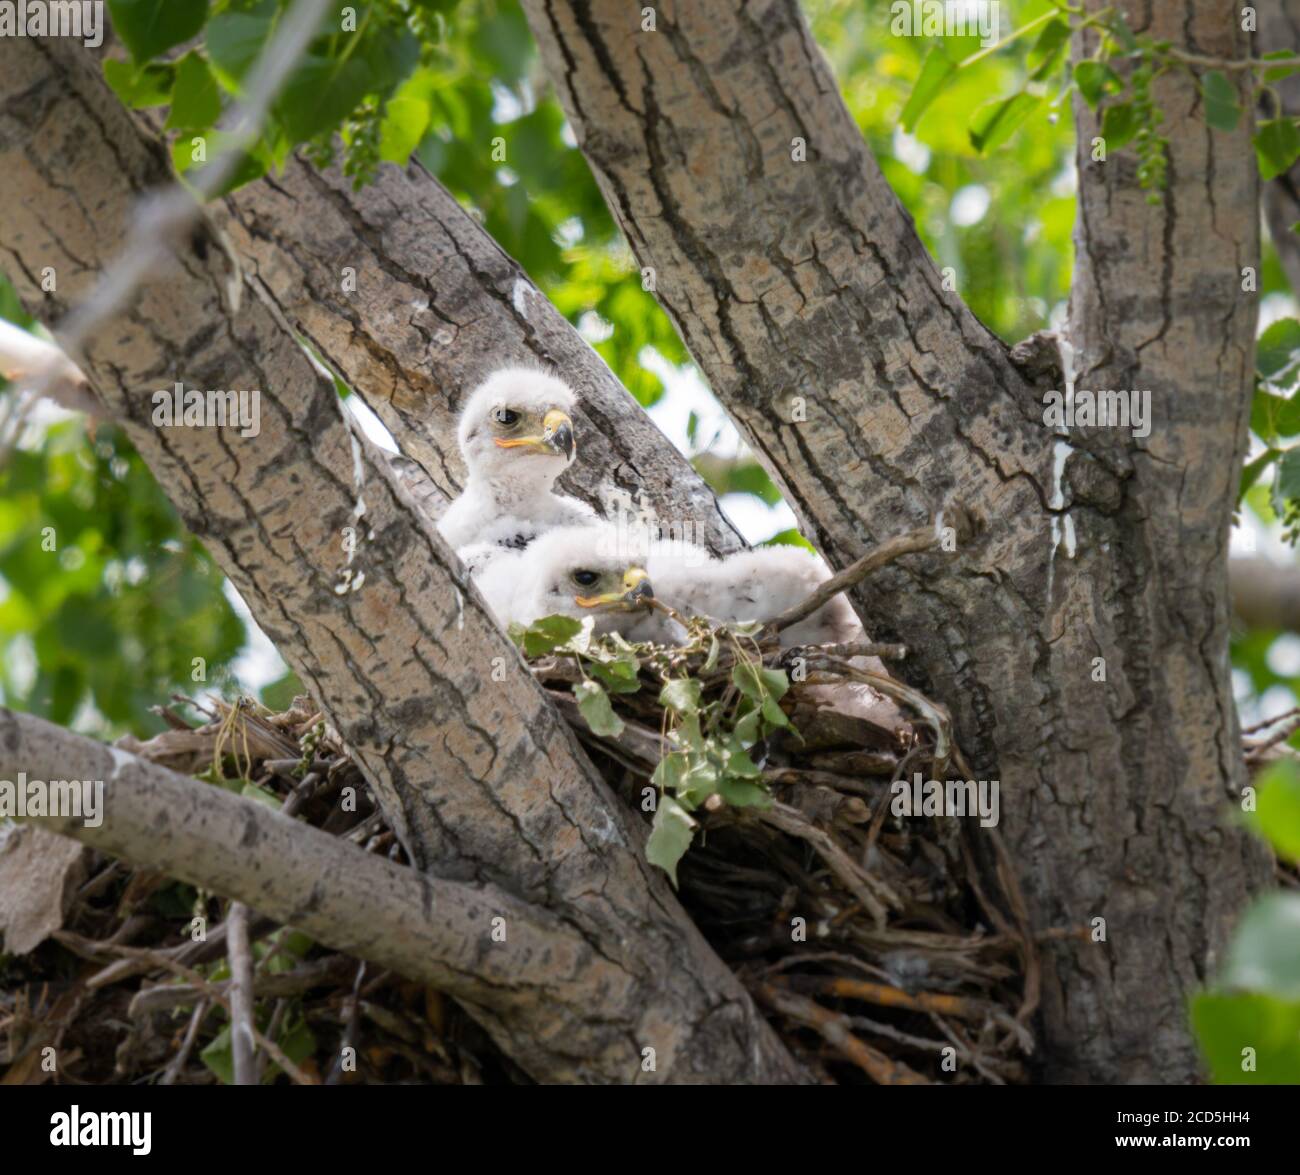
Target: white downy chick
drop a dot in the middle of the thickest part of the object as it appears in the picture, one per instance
(516, 436)
(752, 585)
(575, 571)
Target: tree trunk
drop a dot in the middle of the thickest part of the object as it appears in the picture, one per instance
(875, 398)
(482, 779)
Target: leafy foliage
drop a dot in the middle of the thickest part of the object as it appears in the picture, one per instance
(104, 600)
(713, 738)
(1248, 1024)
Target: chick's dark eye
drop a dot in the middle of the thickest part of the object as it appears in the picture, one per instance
(585, 578)
(506, 416)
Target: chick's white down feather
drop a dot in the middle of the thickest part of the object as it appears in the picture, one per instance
(508, 498)
(567, 565)
(751, 585)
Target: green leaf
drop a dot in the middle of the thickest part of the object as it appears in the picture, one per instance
(711, 661)
(746, 732)
(593, 702)
(196, 102)
(251, 165)
(405, 121)
(681, 694)
(671, 771)
(700, 782)
(151, 27)
(1277, 73)
(234, 40)
(1286, 485)
(789, 538)
(321, 93)
(253, 792)
(741, 765)
(1220, 97)
(1123, 34)
(1096, 80)
(670, 836)
(1119, 124)
(1277, 145)
(1251, 473)
(218, 1055)
(546, 635)
(757, 682)
(1277, 808)
(140, 86)
(1264, 956)
(740, 793)
(774, 714)
(620, 676)
(995, 122)
(1277, 347)
(1229, 1025)
(936, 70)
(1048, 50)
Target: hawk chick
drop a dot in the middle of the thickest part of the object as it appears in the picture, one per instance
(516, 436)
(575, 571)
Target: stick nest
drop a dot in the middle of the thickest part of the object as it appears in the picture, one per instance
(883, 948)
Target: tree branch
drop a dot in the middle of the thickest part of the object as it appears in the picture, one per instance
(430, 930)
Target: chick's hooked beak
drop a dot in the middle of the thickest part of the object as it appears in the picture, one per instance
(636, 590)
(556, 439)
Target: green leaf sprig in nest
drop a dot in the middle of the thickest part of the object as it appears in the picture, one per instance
(712, 720)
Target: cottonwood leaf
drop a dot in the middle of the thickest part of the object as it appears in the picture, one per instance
(150, 27)
(1277, 146)
(1277, 809)
(995, 122)
(545, 635)
(140, 86)
(1096, 80)
(196, 101)
(1119, 125)
(681, 694)
(1226, 1024)
(1220, 98)
(670, 836)
(1277, 347)
(936, 70)
(594, 705)
(1048, 50)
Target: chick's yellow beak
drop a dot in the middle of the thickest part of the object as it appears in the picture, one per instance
(636, 587)
(556, 439)
(634, 593)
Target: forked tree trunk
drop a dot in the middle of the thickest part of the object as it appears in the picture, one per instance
(1082, 643)
(481, 777)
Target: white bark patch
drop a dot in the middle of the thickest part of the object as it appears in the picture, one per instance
(519, 297)
(1062, 525)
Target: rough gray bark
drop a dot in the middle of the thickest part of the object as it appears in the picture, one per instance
(806, 279)
(482, 779)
